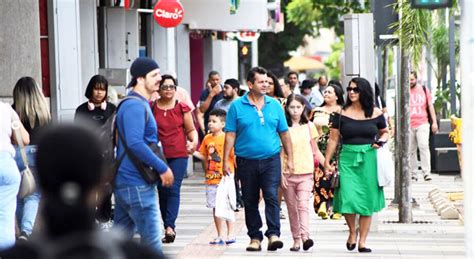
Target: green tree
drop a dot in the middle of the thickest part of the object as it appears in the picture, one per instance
(274, 48)
(312, 15)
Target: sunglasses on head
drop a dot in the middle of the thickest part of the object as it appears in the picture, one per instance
(356, 90)
(167, 87)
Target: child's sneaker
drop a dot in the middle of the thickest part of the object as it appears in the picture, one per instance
(217, 241)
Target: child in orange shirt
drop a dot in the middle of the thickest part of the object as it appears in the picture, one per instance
(211, 152)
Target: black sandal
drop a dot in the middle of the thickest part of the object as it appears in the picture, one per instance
(169, 238)
(295, 249)
(307, 244)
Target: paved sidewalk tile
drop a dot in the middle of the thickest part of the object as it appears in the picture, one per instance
(431, 238)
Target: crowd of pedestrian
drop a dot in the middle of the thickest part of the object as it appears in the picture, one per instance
(265, 138)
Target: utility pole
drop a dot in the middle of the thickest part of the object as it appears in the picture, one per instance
(402, 141)
(467, 101)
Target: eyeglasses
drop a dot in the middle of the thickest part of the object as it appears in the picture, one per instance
(356, 90)
(260, 115)
(167, 87)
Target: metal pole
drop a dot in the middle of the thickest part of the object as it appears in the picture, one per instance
(452, 65)
(467, 101)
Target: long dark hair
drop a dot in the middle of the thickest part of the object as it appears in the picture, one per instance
(339, 94)
(29, 103)
(300, 99)
(366, 96)
(277, 92)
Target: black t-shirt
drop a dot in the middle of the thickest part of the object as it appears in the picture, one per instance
(94, 118)
(33, 132)
(215, 99)
(358, 132)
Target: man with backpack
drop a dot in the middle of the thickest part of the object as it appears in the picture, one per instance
(135, 197)
(422, 121)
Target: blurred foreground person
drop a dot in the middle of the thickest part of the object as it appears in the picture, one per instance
(69, 168)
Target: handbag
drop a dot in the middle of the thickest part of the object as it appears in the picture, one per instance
(148, 173)
(311, 140)
(28, 183)
(385, 166)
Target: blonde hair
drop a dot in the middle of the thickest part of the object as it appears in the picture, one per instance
(30, 103)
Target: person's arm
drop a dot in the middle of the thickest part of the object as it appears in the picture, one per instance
(286, 141)
(191, 133)
(25, 137)
(228, 145)
(206, 99)
(331, 148)
(383, 129)
(434, 124)
(200, 120)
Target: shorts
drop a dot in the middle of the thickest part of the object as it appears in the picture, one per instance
(211, 191)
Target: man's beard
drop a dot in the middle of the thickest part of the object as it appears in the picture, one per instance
(228, 97)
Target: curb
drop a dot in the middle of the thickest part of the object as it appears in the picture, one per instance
(443, 205)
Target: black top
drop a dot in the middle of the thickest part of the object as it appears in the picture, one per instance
(358, 132)
(215, 99)
(33, 132)
(94, 118)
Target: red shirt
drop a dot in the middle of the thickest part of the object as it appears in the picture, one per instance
(171, 130)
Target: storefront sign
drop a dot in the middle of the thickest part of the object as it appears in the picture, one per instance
(248, 36)
(168, 13)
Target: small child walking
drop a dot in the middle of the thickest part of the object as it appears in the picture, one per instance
(211, 152)
(297, 187)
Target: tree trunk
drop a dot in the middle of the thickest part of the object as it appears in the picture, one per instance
(402, 145)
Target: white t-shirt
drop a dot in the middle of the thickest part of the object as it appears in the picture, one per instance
(7, 116)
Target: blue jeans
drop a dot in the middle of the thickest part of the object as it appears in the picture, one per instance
(9, 185)
(30, 151)
(170, 196)
(26, 211)
(136, 209)
(27, 207)
(256, 175)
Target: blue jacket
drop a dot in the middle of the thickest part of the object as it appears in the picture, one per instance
(138, 133)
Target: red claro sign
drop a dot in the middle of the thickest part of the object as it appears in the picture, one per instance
(168, 13)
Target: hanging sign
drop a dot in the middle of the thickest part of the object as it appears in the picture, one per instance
(248, 36)
(168, 13)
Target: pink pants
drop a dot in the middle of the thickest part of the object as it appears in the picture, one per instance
(297, 201)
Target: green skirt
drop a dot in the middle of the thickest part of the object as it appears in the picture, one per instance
(359, 191)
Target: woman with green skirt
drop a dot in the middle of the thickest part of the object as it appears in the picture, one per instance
(362, 129)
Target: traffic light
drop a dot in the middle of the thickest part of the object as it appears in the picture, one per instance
(245, 52)
(431, 4)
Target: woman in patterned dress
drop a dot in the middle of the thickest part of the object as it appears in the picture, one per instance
(323, 194)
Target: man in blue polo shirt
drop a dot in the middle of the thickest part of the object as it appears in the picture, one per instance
(255, 124)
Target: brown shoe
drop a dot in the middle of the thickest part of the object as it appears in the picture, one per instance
(274, 243)
(254, 246)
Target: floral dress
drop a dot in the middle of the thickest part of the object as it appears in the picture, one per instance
(322, 184)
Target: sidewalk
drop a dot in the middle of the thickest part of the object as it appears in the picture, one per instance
(428, 236)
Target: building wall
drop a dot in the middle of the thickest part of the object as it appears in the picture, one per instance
(20, 43)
